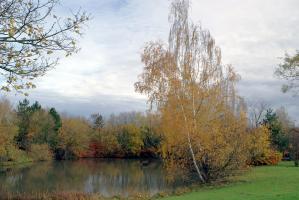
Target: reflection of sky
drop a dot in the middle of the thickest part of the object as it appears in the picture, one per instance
(100, 78)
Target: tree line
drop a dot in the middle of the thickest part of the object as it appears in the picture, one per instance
(32, 132)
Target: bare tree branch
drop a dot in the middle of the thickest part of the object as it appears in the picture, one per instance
(30, 34)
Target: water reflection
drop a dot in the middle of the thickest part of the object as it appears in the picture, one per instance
(106, 177)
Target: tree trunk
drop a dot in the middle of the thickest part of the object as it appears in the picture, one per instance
(194, 161)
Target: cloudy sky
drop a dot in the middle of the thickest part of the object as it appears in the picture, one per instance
(252, 34)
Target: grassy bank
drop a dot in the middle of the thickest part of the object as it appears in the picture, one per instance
(260, 183)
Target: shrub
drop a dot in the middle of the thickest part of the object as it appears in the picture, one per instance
(40, 152)
(260, 149)
(272, 158)
(14, 155)
(259, 144)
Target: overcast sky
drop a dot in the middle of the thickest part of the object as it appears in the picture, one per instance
(252, 34)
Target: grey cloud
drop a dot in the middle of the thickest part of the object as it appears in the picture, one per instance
(253, 34)
(78, 106)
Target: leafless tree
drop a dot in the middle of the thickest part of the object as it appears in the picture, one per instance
(257, 111)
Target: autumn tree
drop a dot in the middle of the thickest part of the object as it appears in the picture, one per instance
(129, 139)
(260, 149)
(127, 134)
(8, 129)
(203, 118)
(31, 37)
(151, 137)
(289, 71)
(74, 136)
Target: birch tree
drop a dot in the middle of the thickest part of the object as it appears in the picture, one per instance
(195, 94)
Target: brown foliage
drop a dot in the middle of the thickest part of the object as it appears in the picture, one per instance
(74, 136)
(271, 158)
(40, 152)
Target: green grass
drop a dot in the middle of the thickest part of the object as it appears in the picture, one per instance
(260, 183)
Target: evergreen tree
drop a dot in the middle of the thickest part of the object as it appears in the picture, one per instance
(24, 112)
(97, 121)
(278, 137)
(53, 140)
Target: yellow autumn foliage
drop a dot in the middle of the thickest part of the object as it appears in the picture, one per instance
(7, 130)
(203, 118)
(259, 142)
(259, 147)
(74, 136)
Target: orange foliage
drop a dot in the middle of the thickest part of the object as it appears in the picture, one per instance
(272, 158)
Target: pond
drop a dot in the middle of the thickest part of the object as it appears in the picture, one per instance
(108, 177)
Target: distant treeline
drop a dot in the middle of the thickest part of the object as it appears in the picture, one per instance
(31, 132)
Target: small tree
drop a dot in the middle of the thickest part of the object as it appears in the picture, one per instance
(56, 117)
(24, 113)
(97, 121)
(30, 33)
(294, 145)
(8, 129)
(41, 128)
(150, 137)
(259, 146)
(278, 136)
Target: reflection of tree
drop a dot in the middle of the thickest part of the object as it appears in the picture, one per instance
(123, 177)
(106, 177)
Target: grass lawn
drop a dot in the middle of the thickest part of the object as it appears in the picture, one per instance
(260, 183)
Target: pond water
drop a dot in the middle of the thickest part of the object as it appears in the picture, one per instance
(108, 177)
